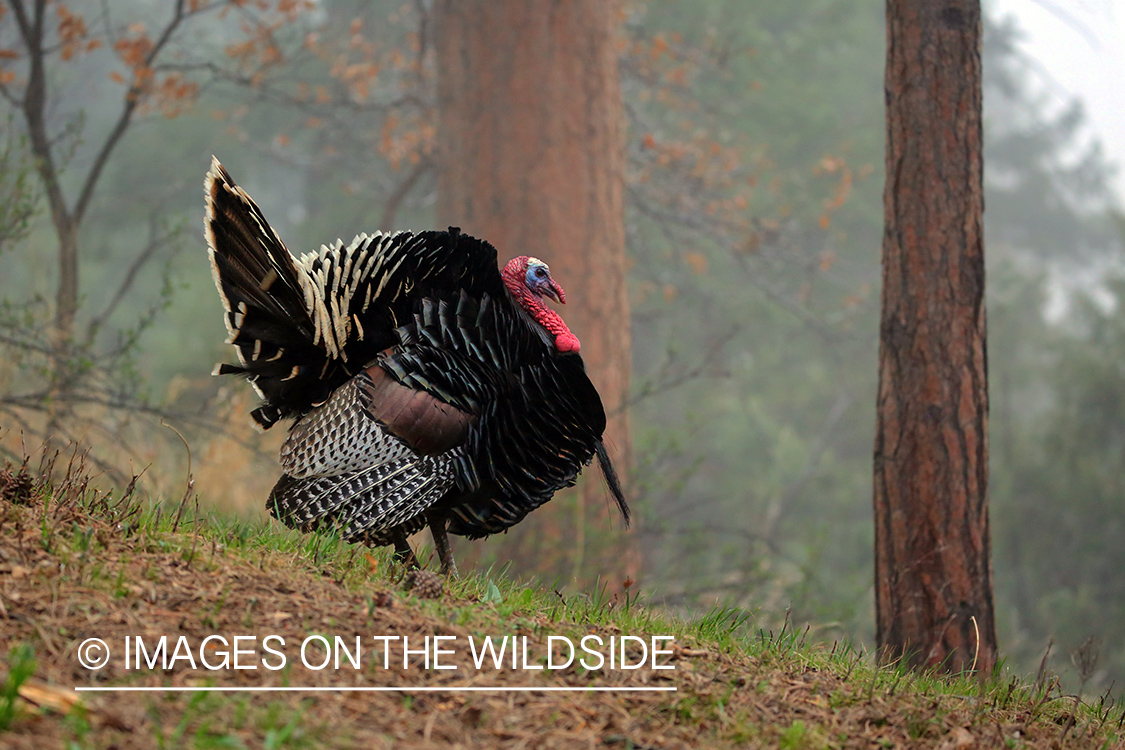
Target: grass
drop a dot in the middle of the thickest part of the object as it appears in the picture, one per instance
(77, 563)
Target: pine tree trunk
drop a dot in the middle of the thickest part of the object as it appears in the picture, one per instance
(532, 157)
(933, 575)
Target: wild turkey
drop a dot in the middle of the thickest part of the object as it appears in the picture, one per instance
(428, 387)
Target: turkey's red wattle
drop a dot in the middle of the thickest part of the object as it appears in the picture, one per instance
(568, 342)
(515, 275)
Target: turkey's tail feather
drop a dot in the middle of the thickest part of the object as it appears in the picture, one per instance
(263, 295)
(611, 479)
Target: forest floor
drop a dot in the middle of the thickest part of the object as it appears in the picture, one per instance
(78, 564)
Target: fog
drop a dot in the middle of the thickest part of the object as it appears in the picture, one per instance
(753, 224)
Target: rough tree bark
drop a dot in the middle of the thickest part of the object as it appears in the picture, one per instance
(933, 575)
(531, 131)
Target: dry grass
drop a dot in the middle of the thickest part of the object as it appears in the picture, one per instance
(76, 563)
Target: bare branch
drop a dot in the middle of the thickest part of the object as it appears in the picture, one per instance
(394, 201)
(22, 20)
(271, 93)
(780, 503)
(132, 99)
(667, 380)
(107, 24)
(9, 96)
(25, 345)
(155, 242)
(33, 106)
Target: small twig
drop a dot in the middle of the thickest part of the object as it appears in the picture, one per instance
(190, 479)
(1041, 674)
(976, 651)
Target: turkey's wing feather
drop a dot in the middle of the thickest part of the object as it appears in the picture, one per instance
(364, 505)
(538, 416)
(372, 458)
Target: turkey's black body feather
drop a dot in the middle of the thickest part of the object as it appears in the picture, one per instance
(422, 390)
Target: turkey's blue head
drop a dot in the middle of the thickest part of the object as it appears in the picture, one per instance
(529, 280)
(538, 279)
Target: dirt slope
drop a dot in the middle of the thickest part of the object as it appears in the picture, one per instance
(68, 573)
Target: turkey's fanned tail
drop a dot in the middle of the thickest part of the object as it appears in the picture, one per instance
(303, 327)
(263, 294)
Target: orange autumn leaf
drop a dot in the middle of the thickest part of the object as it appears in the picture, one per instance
(72, 26)
(291, 8)
(133, 51)
(831, 164)
(241, 49)
(9, 54)
(843, 189)
(824, 221)
(697, 261)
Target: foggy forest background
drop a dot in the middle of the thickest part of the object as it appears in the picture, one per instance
(754, 214)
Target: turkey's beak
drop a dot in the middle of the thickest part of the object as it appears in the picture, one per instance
(555, 292)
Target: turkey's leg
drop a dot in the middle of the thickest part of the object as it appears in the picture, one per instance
(403, 553)
(441, 543)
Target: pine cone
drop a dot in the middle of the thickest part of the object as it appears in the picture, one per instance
(16, 487)
(382, 599)
(424, 584)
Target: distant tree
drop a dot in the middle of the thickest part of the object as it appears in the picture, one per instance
(754, 212)
(43, 43)
(933, 576)
(531, 132)
(1056, 417)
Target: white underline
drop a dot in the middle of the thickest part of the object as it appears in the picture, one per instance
(293, 689)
